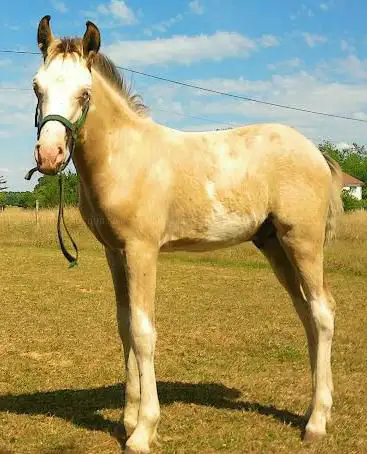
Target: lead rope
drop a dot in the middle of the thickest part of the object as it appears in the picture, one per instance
(73, 260)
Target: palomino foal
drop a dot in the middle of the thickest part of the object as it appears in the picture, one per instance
(145, 188)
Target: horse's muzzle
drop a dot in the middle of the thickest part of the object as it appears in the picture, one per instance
(49, 158)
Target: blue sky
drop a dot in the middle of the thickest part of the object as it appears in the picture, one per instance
(304, 53)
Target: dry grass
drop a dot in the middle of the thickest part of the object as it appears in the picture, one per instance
(231, 357)
(353, 226)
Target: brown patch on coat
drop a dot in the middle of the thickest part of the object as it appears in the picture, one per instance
(275, 138)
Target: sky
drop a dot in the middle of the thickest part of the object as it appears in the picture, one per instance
(310, 54)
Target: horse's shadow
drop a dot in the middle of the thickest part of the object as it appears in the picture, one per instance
(81, 406)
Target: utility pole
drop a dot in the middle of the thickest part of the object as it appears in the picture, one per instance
(3, 187)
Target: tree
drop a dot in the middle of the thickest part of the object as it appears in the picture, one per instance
(331, 150)
(47, 190)
(352, 160)
(26, 200)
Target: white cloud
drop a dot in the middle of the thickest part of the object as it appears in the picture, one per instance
(4, 169)
(350, 66)
(360, 116)
(196, 7)
(325, 6)
(17, 109)
(285, 64)
(182, 49)
(312, 40)
(304, 10)
(268, 41)
(116, 12)
(13, 28)
(59, 6)
(5, 62)
(345, 46)
(164, 25)
(240, 85)
(301, 89)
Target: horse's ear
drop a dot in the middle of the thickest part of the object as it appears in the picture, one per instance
(44, 34)
(91, 40)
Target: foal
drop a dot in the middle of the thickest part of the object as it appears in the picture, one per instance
(146, 188)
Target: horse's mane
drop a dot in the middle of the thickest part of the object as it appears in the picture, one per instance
(105, 67)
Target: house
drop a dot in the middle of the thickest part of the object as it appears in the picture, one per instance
(353, 186)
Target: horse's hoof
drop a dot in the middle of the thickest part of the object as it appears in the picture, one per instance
(132, 450)
(313, 437)
(132, 447)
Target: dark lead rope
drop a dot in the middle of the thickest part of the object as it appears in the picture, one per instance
(74, 128)
(73, 260)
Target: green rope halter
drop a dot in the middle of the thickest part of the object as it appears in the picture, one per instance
(74, 129)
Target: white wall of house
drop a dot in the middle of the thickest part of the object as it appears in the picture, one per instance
(355, 191)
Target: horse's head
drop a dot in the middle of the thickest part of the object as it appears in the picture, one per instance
(63, 86)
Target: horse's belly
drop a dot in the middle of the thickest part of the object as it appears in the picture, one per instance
(222, 230)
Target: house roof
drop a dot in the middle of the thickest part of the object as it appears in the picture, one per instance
(348, 180)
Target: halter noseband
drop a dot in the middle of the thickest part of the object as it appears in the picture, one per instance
(73, 128)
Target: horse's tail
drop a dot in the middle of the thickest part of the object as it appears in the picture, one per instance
(335, 201)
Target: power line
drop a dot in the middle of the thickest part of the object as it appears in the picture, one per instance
(221, 93)
(243, 98)
(21, 52)
(15, 89)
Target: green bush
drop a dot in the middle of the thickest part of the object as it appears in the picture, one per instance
(351, 203)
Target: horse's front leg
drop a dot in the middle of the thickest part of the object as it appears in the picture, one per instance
(141, 261)
(117, 264)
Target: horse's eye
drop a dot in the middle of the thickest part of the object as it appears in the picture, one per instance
(85, 95)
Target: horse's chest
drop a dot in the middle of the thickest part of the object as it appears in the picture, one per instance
(105, 227)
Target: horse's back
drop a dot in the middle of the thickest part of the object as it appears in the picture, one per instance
(237, 178)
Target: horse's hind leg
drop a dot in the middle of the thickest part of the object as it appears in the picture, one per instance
(287, 276)
(303, 245)
(116, 261)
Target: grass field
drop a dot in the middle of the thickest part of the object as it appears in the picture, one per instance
(231, 359)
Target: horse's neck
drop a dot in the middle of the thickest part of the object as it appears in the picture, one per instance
(107, 131)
